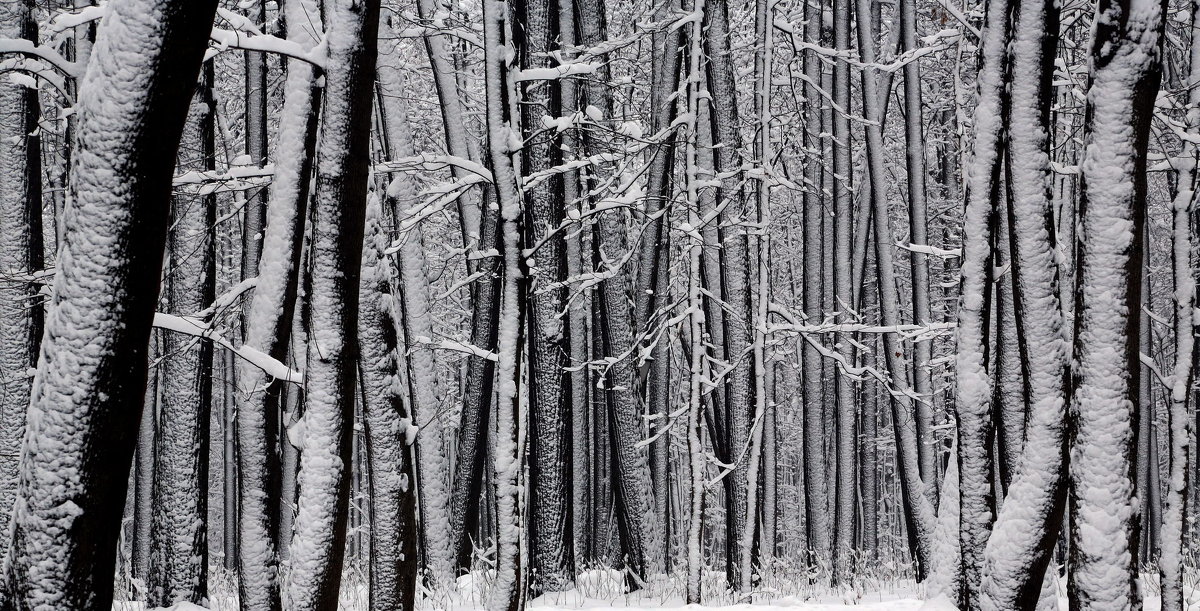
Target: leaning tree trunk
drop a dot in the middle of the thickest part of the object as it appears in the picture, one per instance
(269, 323)
(1028, 523)
(85, 403)
(642, 539)
(21, 234)
(1125, 73)
(973, 383)
(179, 537)
(314, 569)
(916, 494)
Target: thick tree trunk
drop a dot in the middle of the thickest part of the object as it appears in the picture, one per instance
(1125, 75)
(973, 399)
(549, 514)
(314, 569)
(269, 324)
(84, 407)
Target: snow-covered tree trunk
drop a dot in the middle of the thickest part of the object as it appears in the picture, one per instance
(815, 405)
(1125, 72)
(696, 313)
(312, 576)
(973, 398)
(179, 539)
(268, 324)
(1028, 523)
(86, 397)
(417, 322)
(846, 443)
(393, 557)
(21, 235)
(1181, 453)
(918, 233)
(549, 515)
(502, 129)
(734, 271)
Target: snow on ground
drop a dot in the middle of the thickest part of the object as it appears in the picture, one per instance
(604, 590)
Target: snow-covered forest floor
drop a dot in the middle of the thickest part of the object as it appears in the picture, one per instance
(604, 590)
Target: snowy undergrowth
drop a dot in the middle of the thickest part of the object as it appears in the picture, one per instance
(780, 587)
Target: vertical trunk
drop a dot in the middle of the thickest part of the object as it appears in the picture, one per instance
(1008, 374)
(1181, 453)
(695, 463)
(577, 316)
(506, 594)
(393, 570)
(84, 407)
(734, 275)
(179, 536)
(314, 568)
(918, 223)
(256, 143)
(534, 37)
(760, 246)
(229, 482)
(269, 322)
(421, 361)
(846, 437)
(1125, 72)
(143, 477)
(816, 518)
(21, 316)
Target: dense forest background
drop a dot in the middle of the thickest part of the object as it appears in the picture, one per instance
(727, 298)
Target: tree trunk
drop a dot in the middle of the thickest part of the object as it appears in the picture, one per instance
(974, 389)
(269, 323)
(179, 537)
(420, 359)
(393, 570)
(1125, 75)
(85, 405)
(314, 567)
(21, 314)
